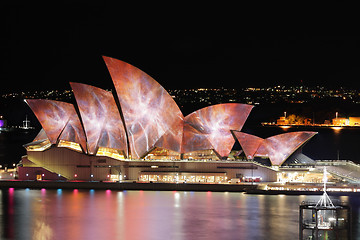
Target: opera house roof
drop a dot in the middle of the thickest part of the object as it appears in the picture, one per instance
(142, 116)
(277, 148)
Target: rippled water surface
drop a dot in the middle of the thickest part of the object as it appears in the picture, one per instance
(105, 214)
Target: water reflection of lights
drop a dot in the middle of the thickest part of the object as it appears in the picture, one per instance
(42, 230)
(176, 195)
(345, 198)
(177, 199)
(59, 191)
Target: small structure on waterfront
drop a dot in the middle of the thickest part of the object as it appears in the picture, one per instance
(324, 219)
(26, 123)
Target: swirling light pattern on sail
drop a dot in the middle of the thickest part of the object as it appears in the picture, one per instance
(73, 131)
(54, 116)
(209, 127)
(249, 143)
(277, 148)
(101, 118)
(149, 111)
(281, 146)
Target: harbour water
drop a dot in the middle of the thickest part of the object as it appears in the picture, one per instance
(106, 214)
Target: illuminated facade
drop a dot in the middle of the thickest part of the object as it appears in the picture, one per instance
(105, 133)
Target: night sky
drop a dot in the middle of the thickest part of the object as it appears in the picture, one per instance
(46, 49)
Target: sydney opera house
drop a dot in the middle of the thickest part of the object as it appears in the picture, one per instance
(138, 133)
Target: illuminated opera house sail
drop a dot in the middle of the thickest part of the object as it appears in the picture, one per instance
(277, 148)
(141, 121)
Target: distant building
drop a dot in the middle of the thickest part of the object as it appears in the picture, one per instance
(327, 122)
(282, 121)
(340, 121)
(307, 121)
(351, 121)
(354, 121)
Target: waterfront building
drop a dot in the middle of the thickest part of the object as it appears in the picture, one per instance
(354, 121)
(139, 133)
(282, 121)
(340, 121)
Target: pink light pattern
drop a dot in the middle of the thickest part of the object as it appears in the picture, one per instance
(209, 127)
(249, 143)
(149, 111)
(41, 136)
(172, 139)
(73, 131)
(194, 140)
(101, 118)
(277, 148)
(54, 116)
(281, 146)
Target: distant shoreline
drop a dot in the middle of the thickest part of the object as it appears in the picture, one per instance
(296, 192)
(336, 127)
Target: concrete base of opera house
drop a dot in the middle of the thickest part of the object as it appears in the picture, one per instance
(63, 164)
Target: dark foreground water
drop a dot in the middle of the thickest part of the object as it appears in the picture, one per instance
(105, 214)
